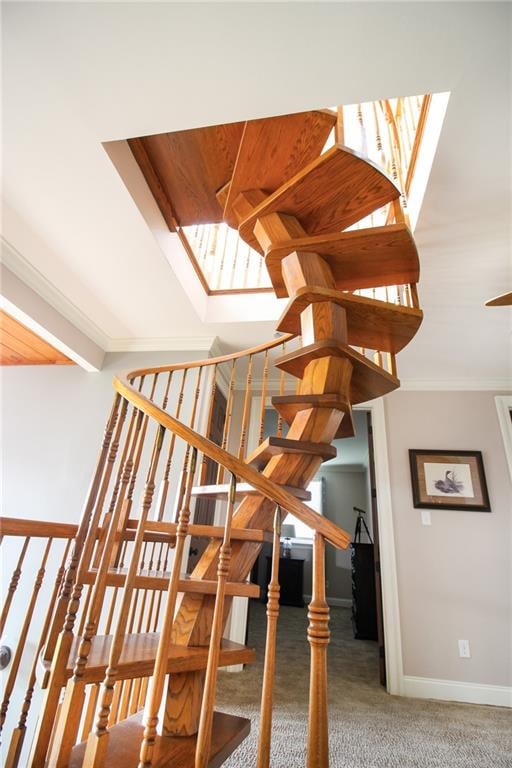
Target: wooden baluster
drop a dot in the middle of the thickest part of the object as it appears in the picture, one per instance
(164, 485)
(245, 415)
(68, 604)
(97, 742)
(339, 128)
(90, 710)
(377, 358)
(69, 720)
(263, 397)
(96, 519)
(18, 733)
(413, 289)
(263, 759)
(227, 420)
(22, 638)
(364, 141)
(213, 389)
(318, 637)
(13, 585)
(156, 687)
(204, 734)
(279, 430)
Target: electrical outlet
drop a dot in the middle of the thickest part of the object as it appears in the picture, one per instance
(464, 651)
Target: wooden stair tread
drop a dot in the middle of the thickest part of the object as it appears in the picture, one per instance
(334, 191)
(371, 323)
(157, 580)
(275, 446)
(139, 652)
(124, 741)
(274, 149)
(184, 170)
(360, 258)
(368, 380)
(289, 405)
(208, 531)
(221, 492)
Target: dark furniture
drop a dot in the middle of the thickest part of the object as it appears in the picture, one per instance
(364, 606)
(291, 580)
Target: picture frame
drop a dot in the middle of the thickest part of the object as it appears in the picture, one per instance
(444, 479)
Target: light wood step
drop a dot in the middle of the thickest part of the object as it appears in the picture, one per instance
(334, 191)
(360, 258)
(371, 323)
(124, 741)
(162, 529)
(274, 149)
(289, 405)
(184, 170)
(138, 657)
(159, 580)
(276, 446)
(368, 380)
(221, 492)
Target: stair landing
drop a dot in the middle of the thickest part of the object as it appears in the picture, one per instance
(125, 738)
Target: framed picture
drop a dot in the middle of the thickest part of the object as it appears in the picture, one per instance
(448, 480)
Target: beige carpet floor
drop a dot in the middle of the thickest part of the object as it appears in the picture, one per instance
(368, 728)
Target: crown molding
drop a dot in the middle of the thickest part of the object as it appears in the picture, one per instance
(162, 344)
(458, 385)
(32, 277)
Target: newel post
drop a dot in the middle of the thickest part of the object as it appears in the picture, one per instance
(318, 637)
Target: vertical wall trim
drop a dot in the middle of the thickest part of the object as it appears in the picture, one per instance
(504, 407)
(389, 580)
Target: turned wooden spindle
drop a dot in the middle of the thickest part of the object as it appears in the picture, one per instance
(318, 638)
(97, 742)
(13, 584)
(213, 390)
(18, 734)
(58, 645)
(246, 411)
(204, 734)
(164, 484)
(69, 719)
(227, 420)
(269, 666)
(22, 636)
(263, 397)
(156, 687)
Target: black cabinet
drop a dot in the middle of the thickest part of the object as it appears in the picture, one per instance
(291, 580)
(364, 606)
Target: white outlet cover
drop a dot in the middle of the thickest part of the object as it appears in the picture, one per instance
(426, 517)
(464, 651)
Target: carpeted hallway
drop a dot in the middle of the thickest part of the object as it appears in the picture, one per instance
(368, 728)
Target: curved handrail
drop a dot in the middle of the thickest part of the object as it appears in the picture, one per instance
(211, 360)
(332, 533)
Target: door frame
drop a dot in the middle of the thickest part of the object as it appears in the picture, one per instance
(388, 567)
(388, 564)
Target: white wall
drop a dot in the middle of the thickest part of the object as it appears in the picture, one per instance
(454, 577)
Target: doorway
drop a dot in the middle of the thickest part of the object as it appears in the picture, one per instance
(374, 497)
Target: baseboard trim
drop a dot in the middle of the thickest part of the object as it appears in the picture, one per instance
(453, 690)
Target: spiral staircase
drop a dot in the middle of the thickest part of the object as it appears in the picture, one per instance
(128, 689)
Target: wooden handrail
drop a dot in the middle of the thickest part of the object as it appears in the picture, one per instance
(332, 533)
(10, 526)
(209, 360)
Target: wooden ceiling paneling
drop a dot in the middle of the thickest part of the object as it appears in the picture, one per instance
(20, 346)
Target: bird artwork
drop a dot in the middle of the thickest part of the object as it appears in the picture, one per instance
(450, 484)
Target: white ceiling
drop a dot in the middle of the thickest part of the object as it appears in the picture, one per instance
(77, 75)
